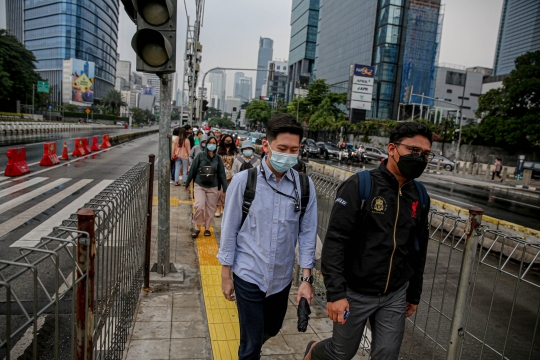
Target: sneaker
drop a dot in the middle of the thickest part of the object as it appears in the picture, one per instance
(217, 214)
(171, 182)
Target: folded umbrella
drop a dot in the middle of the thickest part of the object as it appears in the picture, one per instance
(303, 313)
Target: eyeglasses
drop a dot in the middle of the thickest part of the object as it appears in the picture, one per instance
(428, 155)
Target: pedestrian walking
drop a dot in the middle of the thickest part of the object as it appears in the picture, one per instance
(198, 149)
(497, 167)
(197, 136)
(228, 151)
(246, 160)
(269, 209)
(181, 150)
(208, 174)
(189, 131)
(375, 249)
(473, 159)
(173, 161)
(218, 135)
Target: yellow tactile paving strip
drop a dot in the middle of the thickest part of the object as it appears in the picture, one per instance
(221, 314)
(174, 201)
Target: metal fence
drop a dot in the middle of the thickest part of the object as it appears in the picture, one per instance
(497, 314)
(74, 295)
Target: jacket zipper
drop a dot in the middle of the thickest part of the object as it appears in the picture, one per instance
(394, 250)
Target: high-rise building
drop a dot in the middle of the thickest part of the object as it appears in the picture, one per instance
(123, 75)
(244, 89)
(232, 104)
(3, 14)
(399, 37)
(218, 79)
(237, 76)
(276, 80)
(304, 23)
(265, 55)
(152, 80)
(519, 32)
(58, 30)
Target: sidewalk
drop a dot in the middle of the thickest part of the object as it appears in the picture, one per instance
(192, 320)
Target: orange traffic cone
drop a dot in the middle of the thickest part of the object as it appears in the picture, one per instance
(65, 155)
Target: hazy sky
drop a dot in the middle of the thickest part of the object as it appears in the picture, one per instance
(231, 31)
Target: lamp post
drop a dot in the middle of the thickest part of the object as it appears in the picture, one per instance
(461, 116)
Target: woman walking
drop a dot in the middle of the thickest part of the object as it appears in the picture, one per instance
(228, 151)
(173, 162)
(208, 175)
(181, 149)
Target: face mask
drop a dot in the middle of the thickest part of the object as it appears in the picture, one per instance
(282, 162)
(248, 153)
(211, 147)
(227, 143)
(203, 145)
(411, 166)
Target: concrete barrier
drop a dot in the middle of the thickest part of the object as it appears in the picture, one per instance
(120, 139)
(25, 127)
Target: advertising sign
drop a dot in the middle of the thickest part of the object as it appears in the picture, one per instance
(148, 90)
(364, 70)
(362, 105)
(43, 86)
(360, 80)
(82, 81)
(361, 97)
(364, 89)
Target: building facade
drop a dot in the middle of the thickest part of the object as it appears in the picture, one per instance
(232, 103)
(519, 32)
(123, 76)
(400, 38)
(57, 30)
(218, 79)
(303, 43)
(266, 52)
(276, 80)
(244, 89)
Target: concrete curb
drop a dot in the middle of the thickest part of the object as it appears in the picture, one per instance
(120, 139)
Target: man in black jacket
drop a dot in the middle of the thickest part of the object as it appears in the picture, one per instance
(374, 252)
(189, 131)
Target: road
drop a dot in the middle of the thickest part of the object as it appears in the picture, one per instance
(519, 207)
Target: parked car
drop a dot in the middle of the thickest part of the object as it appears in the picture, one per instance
(310, 148)
(328, 150)
(446, 163)
(375, 154)
(534, 166)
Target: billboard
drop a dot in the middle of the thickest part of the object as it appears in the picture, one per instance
(361, 81)
(364, 70)
(82, 81)
(148, 90)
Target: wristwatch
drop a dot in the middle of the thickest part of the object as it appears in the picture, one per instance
(308, 279)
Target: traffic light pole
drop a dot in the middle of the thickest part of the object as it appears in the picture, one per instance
(164, 190)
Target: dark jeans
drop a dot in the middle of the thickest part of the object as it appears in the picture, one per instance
(173, 167)
(496, 173)
(260, 317)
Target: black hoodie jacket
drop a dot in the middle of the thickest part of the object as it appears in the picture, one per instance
(203, 159)
(372, 251)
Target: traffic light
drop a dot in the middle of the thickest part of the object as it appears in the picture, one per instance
(456, 135)
(408, 94)
(155, 39)
(204, 105)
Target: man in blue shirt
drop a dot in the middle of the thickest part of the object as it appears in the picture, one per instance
(261, 250)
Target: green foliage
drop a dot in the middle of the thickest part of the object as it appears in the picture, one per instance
(112, 100)
(259, 111)
(222, 123)
(95, 116)
(71, 108)
(138, 115)
(212, 112)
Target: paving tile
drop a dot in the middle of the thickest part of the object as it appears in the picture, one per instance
(290, 326)
(187, 315)
(279, 357)
(156, 299)
(154, 313)
(299, 342)
(321, 325)
(317, 311)
(185, 330)
(148, 350)
(152, 330)
(324, 336)
(186, 300)
(188, 349)
(291, 312)
(276, 346)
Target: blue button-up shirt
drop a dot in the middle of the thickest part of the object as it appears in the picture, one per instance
(262, 249)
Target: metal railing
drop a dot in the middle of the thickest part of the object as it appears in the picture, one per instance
(488, 310)
(74, 295)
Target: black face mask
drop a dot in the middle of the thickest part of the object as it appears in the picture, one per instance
(412, 165)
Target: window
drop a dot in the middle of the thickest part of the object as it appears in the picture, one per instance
(449, 91)
(476, 95)
(467, 107)
(284, 68)
(279, 67)
(455, 78)
(464, 98)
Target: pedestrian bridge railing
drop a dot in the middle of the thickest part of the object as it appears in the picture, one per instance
(481, 293)
(20, 128)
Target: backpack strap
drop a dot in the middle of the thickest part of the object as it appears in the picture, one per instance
(422, 201)
(249, 193)
(304, 193)
(253, 160)
(364, 186)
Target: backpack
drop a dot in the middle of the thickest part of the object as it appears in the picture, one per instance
(207, 175)
(251, 186)
(364, 193)
(246, 165)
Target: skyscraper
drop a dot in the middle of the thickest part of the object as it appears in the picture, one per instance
(237, 76)
(218, 79)
(519, 32)
(265, 55)
(399, 37)
(244, 89)
(304, 23)
(58, 30)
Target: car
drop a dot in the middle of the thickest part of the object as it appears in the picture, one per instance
(534, 166)
(310, 148)
(446, 163)
(328, 150)
(375, 154)
(121, 123)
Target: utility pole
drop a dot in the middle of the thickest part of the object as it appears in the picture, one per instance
(33, 94)
(422, 107)
(461, 116)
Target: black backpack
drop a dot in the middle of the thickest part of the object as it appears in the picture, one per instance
(251, 186)
(207, 175)
(246, 165)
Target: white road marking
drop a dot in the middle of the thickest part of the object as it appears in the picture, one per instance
(21, 186)
(449, 199)
(32, 238)
(20, 219)
(517, 202)
(32, 164)
(32, 194)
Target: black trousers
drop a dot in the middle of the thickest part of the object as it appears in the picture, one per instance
(260, 317)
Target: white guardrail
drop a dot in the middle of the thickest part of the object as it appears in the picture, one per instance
(19, 128)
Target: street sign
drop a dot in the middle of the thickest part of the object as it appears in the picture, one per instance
(364, 89)
(361, 97)
(50, 107)
(43, 86)
(360, 80)
(362, 105)
(88, 111)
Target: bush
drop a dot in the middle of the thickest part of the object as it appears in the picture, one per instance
(95, 116)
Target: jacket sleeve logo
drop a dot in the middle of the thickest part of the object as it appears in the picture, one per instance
(414, 206)
(378, 205)
(341, 201)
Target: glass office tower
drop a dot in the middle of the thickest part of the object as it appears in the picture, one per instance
(399, 37)
(519, 32)
(266, 52)
(55, 30)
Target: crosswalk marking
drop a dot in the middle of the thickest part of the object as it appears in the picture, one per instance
(32, 194)
(32, 238)
(20, 219)
(21, 186)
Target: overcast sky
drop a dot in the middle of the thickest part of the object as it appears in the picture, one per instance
(231, 31)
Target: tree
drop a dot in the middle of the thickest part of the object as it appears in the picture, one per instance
(149, 116)
(324, 117)
(511, 115)
(17, 74)
(259, 111)
(71, 108)
(138, 115)
(213, 112)
(113, 101)
(219, 122)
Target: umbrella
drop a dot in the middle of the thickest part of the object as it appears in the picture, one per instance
(303, 312)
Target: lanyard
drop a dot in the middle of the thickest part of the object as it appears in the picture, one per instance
(296, 201)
